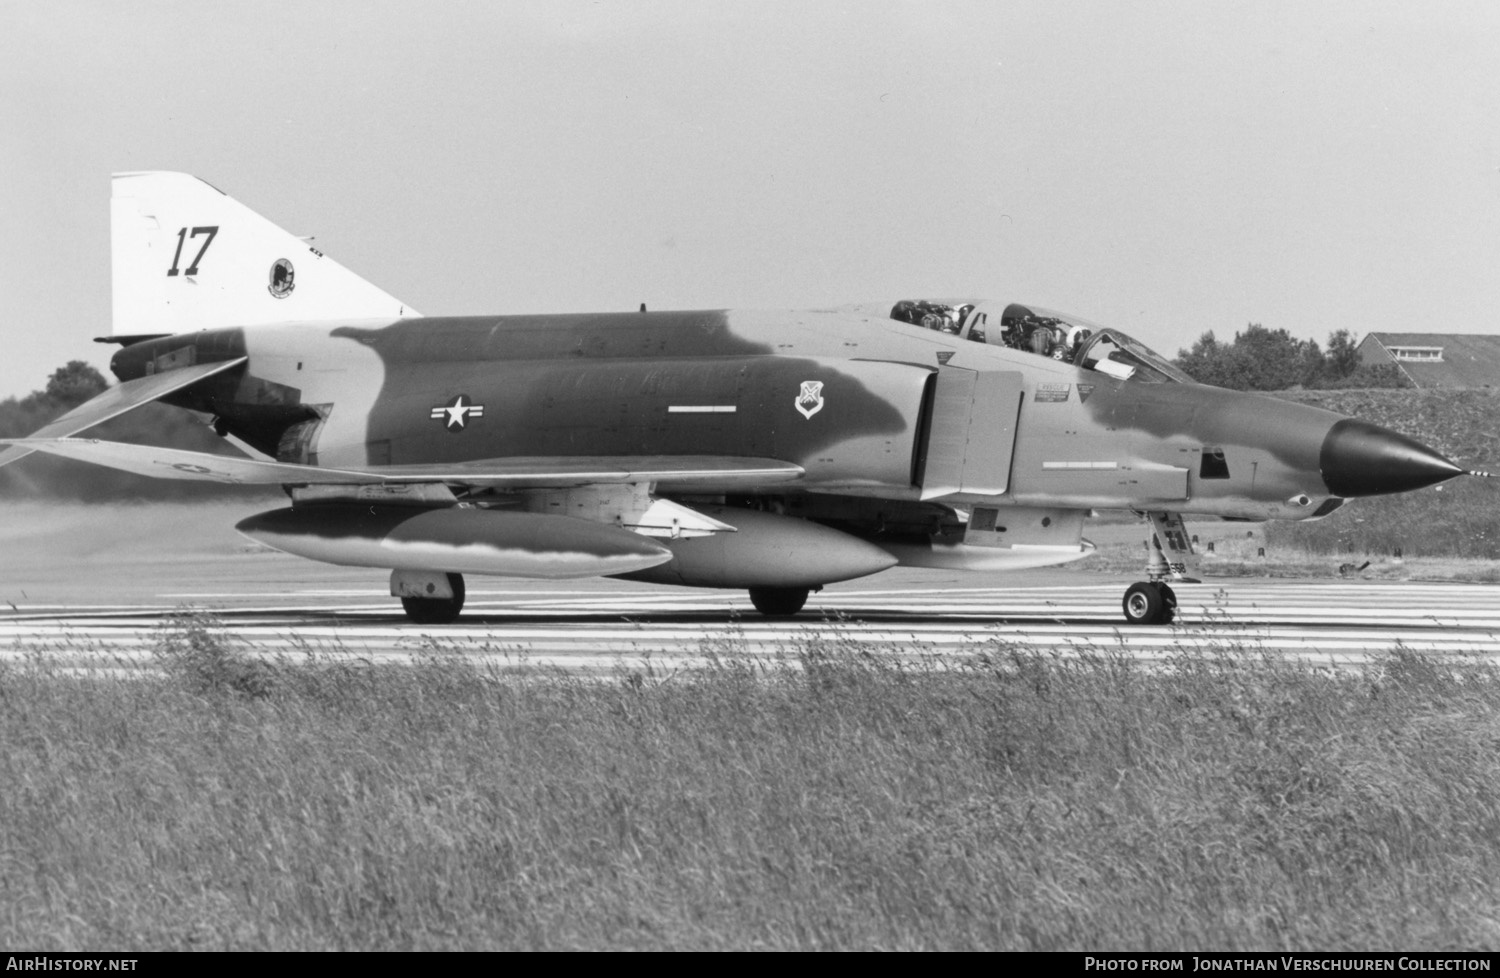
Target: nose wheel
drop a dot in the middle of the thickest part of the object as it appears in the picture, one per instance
(1150, 603)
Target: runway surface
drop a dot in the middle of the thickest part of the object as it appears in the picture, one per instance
(99, 582)
(602, 625)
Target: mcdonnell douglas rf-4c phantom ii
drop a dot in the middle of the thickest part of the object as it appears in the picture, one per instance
(771, 451)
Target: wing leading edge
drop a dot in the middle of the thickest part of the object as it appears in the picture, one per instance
(503, 473)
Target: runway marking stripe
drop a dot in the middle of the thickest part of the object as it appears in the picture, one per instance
(1338, 622)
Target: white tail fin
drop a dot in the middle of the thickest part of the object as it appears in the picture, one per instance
(187, 256)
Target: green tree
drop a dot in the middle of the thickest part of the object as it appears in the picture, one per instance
(1272, 359)
(1261, 359)
(1205, 362)
(1342, 356)
(71, 385)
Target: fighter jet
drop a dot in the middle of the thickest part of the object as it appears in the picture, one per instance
(773, 451)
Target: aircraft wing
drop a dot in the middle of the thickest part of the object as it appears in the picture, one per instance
(116, 401)
(505, 473)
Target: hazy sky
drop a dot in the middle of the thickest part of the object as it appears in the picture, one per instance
(1166, 168)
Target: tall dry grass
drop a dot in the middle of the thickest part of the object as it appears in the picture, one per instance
(834, 798)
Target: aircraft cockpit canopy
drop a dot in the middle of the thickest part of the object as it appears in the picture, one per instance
(1121, 355)
(1046, 333)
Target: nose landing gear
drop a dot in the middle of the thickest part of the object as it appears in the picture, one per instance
(1150, 603)
(1153, 602)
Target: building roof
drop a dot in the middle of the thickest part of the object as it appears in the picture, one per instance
(1467, 360)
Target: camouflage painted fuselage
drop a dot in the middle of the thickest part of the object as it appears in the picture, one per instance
(866, 405)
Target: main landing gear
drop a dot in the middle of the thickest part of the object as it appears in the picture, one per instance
(429, 599)
(436, 599)
(1169, 554)
(779, 602)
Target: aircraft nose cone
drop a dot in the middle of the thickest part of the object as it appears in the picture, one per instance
(1362, 459)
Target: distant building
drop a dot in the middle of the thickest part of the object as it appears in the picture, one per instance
(1436, 359)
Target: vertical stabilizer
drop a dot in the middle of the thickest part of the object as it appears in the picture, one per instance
(186, 256)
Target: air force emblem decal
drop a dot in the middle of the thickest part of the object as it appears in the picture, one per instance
(457, 413)
(283, 279)
(810, 400)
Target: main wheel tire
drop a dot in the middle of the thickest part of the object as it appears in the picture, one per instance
(437, 611)
(778, 602)
(1168, 605)
(1143, 604)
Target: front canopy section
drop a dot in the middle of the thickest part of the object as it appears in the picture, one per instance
(1044, 332)
(1120, 355)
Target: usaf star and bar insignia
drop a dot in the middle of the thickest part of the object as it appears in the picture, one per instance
(457, 413)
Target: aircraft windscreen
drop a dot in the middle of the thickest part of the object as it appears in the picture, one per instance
(1115, 353)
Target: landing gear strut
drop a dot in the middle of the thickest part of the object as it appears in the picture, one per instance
(778, 602)
(1153, 602)
(439, 609)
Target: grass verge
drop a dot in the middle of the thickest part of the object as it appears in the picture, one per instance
(1458, 519)
(1241, 559)
(832, 798)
